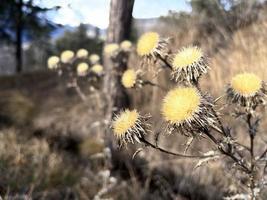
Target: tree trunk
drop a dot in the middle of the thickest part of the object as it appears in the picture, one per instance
(119, 29)
(19, 37)
(120, 20)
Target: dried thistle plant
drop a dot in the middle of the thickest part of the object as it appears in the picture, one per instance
(190, 111)
(75, 67)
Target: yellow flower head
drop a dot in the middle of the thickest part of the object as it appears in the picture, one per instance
(187, 57)
(82, 69)
(147, 43)
(126, 45)
(94, 58)
(246, 84)
(110, 49)
(97, 69)
(180, 105)
(125, 121)
(52, 62)
(66, 56)
(82, 53)
(128, 78)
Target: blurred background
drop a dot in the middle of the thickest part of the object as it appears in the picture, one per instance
(52, 143)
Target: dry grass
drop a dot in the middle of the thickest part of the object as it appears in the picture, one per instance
(32, 165)
(28, 166)
(246, 52)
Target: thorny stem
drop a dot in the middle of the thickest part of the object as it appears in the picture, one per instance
(252, 159)
(221, 127)
(227, 135)
(227, 153)
(164, 60)
(242, 145)
(252, 165)
(263, 154)
(146, 82)
(73, 82)
(172, 153)
(75, 85)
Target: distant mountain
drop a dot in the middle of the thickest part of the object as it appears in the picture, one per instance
(142, 25)
(91, 31)
(60, 30)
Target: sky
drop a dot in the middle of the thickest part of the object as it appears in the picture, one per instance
(96, 12)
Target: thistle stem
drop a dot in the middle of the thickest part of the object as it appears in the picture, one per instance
(146, 82)
(227, 153)
(171, 153)
(75, 85)
(164, 60)
(263, 154)
(252, 158)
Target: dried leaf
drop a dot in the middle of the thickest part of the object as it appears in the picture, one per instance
(238, 197)
(188, 143)
(136, 152)
(213, 156)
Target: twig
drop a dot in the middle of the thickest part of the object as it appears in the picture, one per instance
(263, 154)
(147, 82)
(75, 85)
(172, 153)
(165, 61)
(252, 159)
(227, 153)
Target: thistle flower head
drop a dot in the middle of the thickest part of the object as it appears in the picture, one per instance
(180, 104)
(151, 47)
(94, 58)
(111, 49)
(82, 53)
(129, 126)
(124, 122)
(186, 57)
(147, 43)
(189, 64)
(97, 69)
(246, 84)
(246, 89)
(82, 69)
(66, 56)
(187, 111)
(52, 62)
(126, 45)
(128, 78)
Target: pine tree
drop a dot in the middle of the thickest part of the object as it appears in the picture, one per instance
(21, 20)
